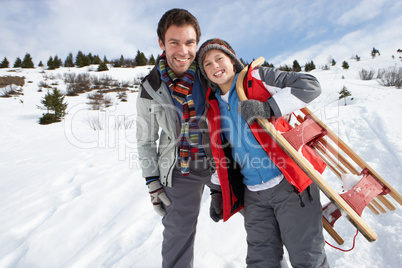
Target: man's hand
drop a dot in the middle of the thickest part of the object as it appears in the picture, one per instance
(253, 109)
(158, 196)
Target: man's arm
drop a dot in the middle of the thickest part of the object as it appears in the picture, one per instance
(147, 130)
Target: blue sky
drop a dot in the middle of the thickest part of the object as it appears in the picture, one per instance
(280, 31)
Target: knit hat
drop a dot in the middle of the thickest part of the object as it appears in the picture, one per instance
(216, 43)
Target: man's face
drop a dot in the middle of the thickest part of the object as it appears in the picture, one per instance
(180, 48)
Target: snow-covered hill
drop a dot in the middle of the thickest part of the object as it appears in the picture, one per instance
(72, 196)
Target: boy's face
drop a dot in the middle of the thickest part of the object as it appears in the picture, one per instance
(180, 48)
(219, 67)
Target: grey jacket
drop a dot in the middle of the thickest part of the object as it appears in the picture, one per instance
(158, 129)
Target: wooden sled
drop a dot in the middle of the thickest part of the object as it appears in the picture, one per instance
(371, 191)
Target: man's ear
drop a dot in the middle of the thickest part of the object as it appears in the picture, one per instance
(161, 45)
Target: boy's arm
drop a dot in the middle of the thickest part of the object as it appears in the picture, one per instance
(290, 91)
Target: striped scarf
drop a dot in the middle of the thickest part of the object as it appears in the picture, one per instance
(182, 92)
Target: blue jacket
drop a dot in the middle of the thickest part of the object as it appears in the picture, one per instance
(256, 166)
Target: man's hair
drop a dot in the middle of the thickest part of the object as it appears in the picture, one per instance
(178, 17)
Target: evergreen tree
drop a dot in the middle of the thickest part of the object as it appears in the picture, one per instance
(344, 93)
(296, 66)
(309, 66)
(375, 52)
(55, 106)
(345, 65)
(40, 64)
(90, 58)
(27, 62)
(69, 61)
(103, 66)
(57, 62)
(267, 64)
(17, 63)
(4, 63)
(116, 64)
(122, 61)
(79, 59)
(97, 60)
(87, 60)
(333, 62)
(285, 68)
(140, 59)
(152, 60)
(50, 64)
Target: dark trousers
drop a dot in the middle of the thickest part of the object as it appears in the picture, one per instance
(275, 218)
(180, 221)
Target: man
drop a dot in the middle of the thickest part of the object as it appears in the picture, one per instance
(171, 99)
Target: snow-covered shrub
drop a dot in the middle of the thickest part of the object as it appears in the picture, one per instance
(391, 77)
(366, 74)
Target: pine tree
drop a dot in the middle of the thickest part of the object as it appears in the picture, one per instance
(152, 60)
(267, 64)
(103, 66)
(97, 60)
(40, 64)
(4, 63)
(122, 61)
(79, 59)
(140, 59)
(309, 66)
(57, 62)
(345, 65)
(296, 66)
(18, 63)
(69, 61)
(50, 63)
(90, 58)
(87, 60)
(333, 62)
(344, 93)
(55, 106)
(375, 52)
(27, 62)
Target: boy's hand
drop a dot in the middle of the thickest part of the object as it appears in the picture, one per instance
(253, 109)
(216, 208)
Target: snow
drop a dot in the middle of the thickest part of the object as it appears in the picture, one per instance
(71, 196)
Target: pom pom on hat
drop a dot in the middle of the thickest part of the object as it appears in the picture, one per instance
(216, 43)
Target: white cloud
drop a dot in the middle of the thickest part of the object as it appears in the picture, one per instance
(365, 10)
(384, 37)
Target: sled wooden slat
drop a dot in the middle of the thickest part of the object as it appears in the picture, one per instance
(331, 231)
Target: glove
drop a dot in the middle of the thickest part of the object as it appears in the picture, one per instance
(158, 195)
(252, 109)
(216, 208)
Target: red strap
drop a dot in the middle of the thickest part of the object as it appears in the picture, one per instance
(345, 250)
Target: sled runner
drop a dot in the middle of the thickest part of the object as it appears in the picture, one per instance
(310, 133)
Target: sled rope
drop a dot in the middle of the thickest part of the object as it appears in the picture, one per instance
(345, 250)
